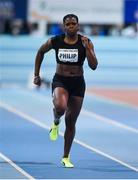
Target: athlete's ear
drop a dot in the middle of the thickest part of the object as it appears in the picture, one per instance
(78, 28)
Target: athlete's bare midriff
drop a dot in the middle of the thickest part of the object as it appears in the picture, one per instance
(69, 70)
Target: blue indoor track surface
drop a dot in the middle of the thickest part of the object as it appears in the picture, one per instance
(101, 150)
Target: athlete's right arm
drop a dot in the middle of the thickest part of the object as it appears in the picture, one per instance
(38, 60)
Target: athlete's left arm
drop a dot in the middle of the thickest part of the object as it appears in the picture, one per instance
(90, 54)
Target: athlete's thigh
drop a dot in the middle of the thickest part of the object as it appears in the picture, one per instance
(74, 106)
(60, 96)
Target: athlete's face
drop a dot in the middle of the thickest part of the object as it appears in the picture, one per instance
(71, 26)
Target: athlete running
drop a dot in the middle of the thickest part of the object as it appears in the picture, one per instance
(68, 85)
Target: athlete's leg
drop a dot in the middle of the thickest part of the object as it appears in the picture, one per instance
(73, 110)
(60, 100)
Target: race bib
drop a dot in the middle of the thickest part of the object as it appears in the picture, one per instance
(68, 55)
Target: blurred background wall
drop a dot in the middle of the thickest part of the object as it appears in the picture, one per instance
(111, 24)
(97, 17)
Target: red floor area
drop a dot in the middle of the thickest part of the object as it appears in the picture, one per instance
(128, 96)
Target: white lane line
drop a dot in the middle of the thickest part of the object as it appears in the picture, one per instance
(42, 125)
(94, 115)
(108, 121)
(15, 166)
(106, 155)
(91, 114)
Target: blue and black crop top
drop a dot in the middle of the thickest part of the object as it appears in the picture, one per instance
(71, 54)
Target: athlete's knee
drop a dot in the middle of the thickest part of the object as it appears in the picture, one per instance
(70, 118)
(70, 124)
(70, 127)
(60, 108)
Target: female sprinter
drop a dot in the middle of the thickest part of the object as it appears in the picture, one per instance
(68, 85)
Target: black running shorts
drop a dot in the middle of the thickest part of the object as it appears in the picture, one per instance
(74, 85)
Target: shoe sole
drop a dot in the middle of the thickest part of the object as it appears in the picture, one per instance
(65, 165)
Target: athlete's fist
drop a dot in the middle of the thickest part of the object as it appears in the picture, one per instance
(85, 41)
(37, 80)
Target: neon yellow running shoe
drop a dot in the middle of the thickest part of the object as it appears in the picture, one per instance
(54, 132)
(66, 163)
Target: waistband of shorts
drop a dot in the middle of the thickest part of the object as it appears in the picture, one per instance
(68, 77)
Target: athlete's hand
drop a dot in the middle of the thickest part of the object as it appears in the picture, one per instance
(37, 80)
(85, 42)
